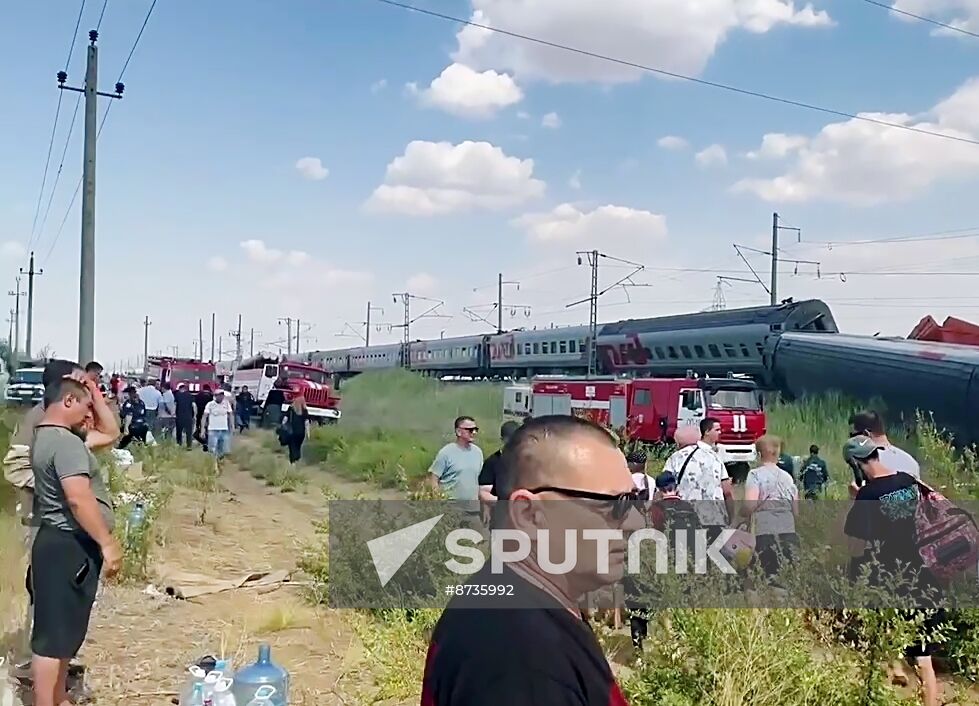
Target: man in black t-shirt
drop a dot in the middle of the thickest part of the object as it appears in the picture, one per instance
(490, 471)
(523, 642)
(881, 528)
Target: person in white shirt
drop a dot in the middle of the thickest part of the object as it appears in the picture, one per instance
(701, 477)
(771, 500)
(151, 398)
(870, 423)
(217, 421)
(636, 460)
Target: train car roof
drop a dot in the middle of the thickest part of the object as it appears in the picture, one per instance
(547, 333)
(767, 315)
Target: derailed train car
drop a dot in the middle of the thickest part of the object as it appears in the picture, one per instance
(908, 376)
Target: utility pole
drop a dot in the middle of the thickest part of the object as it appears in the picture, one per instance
(499, 301)
(213, 318)
(367, 323)
(251, 343)
(10, 334)
(297, 336)
(406, 298)
(86, 299)
(593, 257)
(220, 348)
(30, 303)
(17, 294)
(236, 335)
(200, 337)
(146, 338)
(773, 289)
(288, 323)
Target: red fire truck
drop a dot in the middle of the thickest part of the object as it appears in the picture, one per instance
(275, 383)
(195, 373)
(651, 409)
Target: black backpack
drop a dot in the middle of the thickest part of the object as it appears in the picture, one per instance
(679, 514)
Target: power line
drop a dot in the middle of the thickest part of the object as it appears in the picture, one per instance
(672, 74)
(105, 116)
(98, 26)
(54, 130)
(61, 164)
(929, 20)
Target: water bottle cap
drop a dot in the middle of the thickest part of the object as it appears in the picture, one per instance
(223, 685)
(196, 671)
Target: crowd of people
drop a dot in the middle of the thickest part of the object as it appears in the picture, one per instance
(509, 656)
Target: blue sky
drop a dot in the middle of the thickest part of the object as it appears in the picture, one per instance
(223, 99)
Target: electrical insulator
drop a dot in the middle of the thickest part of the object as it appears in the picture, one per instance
(120, 87)
(62, 76)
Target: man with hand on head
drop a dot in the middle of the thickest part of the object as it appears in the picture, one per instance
(74, 540)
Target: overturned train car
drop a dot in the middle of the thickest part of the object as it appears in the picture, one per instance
(907, 376)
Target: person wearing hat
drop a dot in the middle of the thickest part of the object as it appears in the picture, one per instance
(218, 420)
(133, 416)
(881, 528)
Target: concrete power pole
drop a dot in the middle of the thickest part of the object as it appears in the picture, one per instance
(200, 338)
(251, 343)
(146, 339)
(213, 319)
(297, 336)
(17, 294)
(776, 227)
(86, 299)
(288, 322)
(30, 303)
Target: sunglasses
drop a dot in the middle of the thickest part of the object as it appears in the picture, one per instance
(472, 429)
(619, 504)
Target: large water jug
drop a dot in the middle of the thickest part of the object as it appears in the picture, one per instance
(264, 672)
(196, 679)
(263, 697)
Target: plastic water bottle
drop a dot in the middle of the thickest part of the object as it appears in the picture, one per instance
(263, 696)
(222, 693)
(264, 672)
(137, 517)
(196, 696)
(211, 681)
(196, 679)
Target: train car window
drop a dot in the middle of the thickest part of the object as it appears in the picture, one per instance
(699, 351)
(582, 346)
(572, 346)
(563, 347)
(659, 353)
(672, 352)
(685, 351)
(729, 351)
(715, 352)
(744, 351)
(536, 349)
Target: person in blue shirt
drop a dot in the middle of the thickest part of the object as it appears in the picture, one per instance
(455, 470)
(814, 474)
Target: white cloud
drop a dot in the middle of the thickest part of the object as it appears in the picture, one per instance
(379, 85)
(461, 91)
(676, 36)
(710, 156)
(312, 168)
(297, 258)
(575, 181)
(551, 120)
(523, 115)
(257, 251)
(569, 224)
(963, 14)
(434, 178)
(777, 145)
(217, 264)
(421, 283)
(862, 163)
(12, 249)
(672, 142)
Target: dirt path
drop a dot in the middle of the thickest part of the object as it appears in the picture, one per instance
(139, 644)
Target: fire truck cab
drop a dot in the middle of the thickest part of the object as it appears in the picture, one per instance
(275, 383)
(652, 409)
(194, 373)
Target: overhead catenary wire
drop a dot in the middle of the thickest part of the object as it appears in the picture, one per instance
(683, 77)
(98, 26)
(922, 18)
